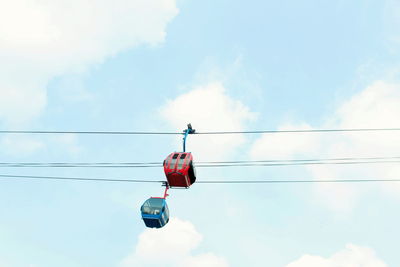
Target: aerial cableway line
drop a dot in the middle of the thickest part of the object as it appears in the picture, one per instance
(205, 164)
(199, 133)
(217, 181)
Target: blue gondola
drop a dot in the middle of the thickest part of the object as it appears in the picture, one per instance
(155, 213)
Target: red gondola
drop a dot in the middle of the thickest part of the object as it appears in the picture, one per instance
(179, 169)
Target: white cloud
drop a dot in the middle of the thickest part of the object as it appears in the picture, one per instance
(209, 108)
(42, 39)
(207, 259)
(340, 197)
(171, 246)
(285, 145)
(377, 106)
(20, 100)
(351, 256)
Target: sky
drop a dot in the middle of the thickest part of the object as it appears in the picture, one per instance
(156, 65)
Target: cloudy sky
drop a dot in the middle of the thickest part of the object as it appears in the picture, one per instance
(155, 65)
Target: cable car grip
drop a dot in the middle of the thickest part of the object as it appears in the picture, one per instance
(186, 132)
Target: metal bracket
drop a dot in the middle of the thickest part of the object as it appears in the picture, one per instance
(186, 132)
(166, 189)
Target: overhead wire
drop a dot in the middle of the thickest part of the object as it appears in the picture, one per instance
(269, 181)
(296, 181)
(303, 131)
(295, 164)
(207, 164)
(87, 132)
(297, 160)
(78, 178)
(370, 160)
(197, 133)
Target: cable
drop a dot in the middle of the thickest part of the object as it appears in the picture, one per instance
(87, 132)
(295, 164)
(297, 160)
(77, 178)
(199, 182)
(197, 133)
(304, 131)
(297, 181)
(260, 163)
(209, 162)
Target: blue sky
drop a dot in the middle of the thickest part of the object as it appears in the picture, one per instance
(221, 65)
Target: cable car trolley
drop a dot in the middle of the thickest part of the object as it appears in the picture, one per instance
(179, 167)
(155, 212)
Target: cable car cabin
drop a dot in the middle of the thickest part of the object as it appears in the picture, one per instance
(179, 169)
(155, 213)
